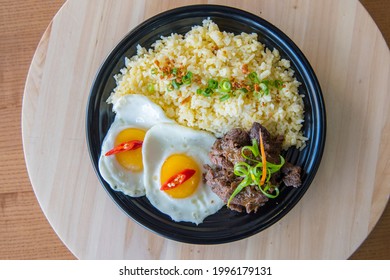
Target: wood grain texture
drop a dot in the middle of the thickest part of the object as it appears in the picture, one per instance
(24, 231)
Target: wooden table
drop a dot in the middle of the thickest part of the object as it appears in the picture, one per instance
(24, 231)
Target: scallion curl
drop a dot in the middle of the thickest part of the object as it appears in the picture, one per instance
(278, 84)
(254, 78)
(205, 92)
(213, 84)
(225, 86)
(264, 87)
(187, 78)
(252, 170)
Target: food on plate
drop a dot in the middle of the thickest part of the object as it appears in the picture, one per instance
(248, 168)
(145, 153)
(173, 100)
(120, 162)
(215, 81)
(174, 156)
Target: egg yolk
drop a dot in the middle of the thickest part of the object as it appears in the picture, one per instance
(174, 165)
(131, 160)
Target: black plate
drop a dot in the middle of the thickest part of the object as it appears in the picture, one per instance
(225, 225)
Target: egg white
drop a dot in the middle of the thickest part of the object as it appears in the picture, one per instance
(162, 141)
(132, 111)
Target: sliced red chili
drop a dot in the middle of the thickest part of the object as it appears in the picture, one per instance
(125, 146)
(177, 179)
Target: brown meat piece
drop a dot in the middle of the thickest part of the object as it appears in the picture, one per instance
(238, 137)
(217, 156)
(224, 182)
(291, 175)
(272, 145)
(226, 152)
(250, 199)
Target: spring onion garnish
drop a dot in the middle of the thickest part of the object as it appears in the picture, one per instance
(278, 84)
(264, 87)
(150, 87)
(170, 87)
(257, 94)
(256, 172)
(253, 78)
(205, 92)
(187, 78)
(225, 85)
(213, 84)
(240, 91)
(264, 84)
(224, 97)
(229, 88)
(175, 84)
(174, 71)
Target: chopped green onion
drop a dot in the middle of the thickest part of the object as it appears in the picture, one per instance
(175, 84)
(254, 149)
(258, 94)
(174, 71)
(252, 173)
(213, 84)
(207, 92)
(254, 78)
(266, 82)
(154, 71)
(224, 97)
(170, 87)
(245, 182)
(187, 78)
(150, 87)
(278, 84)
(189, 74)
(264, 87)
(267, 194)
(240, 169)
(240, 91)
(225, 85)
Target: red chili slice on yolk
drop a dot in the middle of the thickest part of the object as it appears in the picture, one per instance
(125, 146)
(130, 159)
(178, 179)
(183, 173)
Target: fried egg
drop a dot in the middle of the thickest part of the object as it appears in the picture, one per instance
(123, 171)
(169, 150)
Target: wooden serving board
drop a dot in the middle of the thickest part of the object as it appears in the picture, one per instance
(344, 202)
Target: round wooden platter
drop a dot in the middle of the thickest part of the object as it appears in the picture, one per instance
(344, 202)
